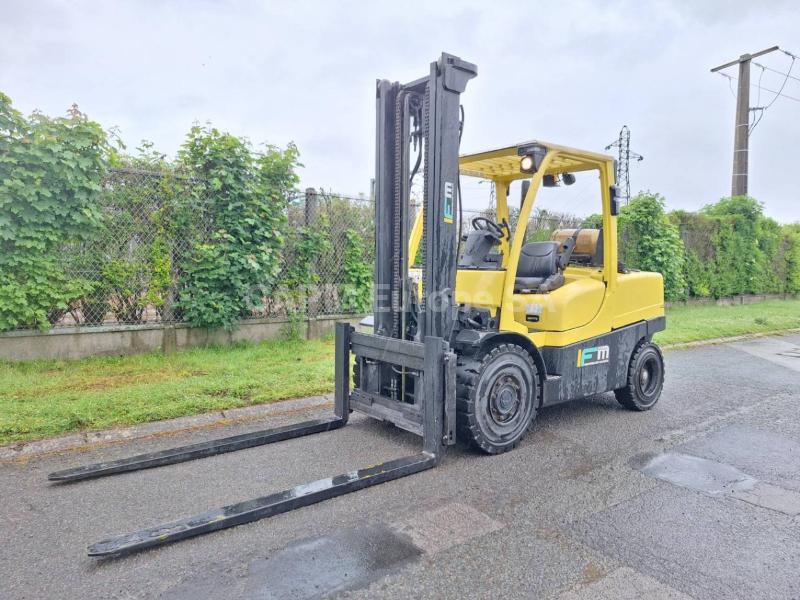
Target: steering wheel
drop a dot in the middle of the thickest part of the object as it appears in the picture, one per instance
(484, 224)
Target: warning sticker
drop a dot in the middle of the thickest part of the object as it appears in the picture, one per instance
(448, 202)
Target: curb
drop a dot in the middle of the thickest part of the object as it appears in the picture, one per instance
(725, 340)
(76, 442)
(83, 441)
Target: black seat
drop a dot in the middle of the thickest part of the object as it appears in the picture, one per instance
(538, 268)
(541, 265)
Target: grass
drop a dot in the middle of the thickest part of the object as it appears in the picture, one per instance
(42, 399)
(692, 323)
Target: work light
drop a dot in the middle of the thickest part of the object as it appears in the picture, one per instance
(532, 157)
(526, 165)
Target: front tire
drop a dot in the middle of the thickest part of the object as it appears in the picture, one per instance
(645, 378)
(497, 398)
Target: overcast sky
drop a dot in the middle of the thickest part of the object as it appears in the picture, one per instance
(568, 72)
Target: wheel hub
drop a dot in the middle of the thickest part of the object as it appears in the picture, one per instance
(648, 376)
(504, 399)
(644, 378)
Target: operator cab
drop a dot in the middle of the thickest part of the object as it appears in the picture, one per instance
(555, 274)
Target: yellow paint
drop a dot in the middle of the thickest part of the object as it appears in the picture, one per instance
(593, 300)
(415, 237)
(572, 305)
(482, 289)
(501, 192)
(640, 296)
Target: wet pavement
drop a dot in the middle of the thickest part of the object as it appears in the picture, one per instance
(698, 498)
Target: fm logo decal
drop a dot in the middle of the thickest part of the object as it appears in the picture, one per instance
(448, 202)
(592, 356)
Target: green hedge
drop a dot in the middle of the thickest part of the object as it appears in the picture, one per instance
(50, 182)
(649, 241)
(733, 248)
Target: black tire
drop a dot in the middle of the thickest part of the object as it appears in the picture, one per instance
(645, 378)
(497, 397)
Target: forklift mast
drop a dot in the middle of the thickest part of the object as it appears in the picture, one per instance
(420, 117)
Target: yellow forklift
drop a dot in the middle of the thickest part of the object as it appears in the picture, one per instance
(490, 328)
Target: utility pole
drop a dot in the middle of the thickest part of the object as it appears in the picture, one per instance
(741, 131)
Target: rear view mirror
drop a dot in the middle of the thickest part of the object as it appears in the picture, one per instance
(526, 184)
(613, 191)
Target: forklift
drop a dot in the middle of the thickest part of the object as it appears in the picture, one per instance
(487, 330)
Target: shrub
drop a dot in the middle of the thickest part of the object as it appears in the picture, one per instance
(299, 278)
(230, 272)
(745, 247)
(651, 242)
(790, 253)
(355, 292)
(50, 181)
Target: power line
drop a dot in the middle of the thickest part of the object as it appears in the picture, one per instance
(783, 85)
(766, 89)
(790, 76)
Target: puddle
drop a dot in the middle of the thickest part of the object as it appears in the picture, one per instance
(321, 566)
(763, 454)
(774, 350)
(310, 568)
(697, 473)
(348, 559)
(315, 567)
(717, 479)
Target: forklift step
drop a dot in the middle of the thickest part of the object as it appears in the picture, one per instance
(261, 508)
(195, 451)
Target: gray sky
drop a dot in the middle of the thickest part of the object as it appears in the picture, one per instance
(568, 72)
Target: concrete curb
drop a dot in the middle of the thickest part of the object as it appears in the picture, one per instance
(90, 439)
(725, 340)
(21, 451)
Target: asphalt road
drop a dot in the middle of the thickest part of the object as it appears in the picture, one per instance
(698, 498)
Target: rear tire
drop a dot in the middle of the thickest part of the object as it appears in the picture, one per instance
(497, 398)
(645, 378)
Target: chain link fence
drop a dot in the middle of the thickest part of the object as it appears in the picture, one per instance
(153, 222)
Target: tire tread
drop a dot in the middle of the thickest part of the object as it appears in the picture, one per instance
(626, 396)
(467, 377)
